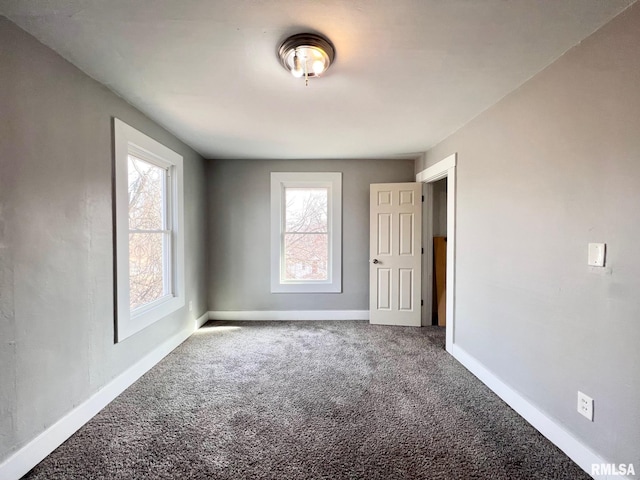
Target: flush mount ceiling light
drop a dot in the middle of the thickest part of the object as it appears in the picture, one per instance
(306, 55)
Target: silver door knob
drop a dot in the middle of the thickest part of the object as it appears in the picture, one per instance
(375, 260)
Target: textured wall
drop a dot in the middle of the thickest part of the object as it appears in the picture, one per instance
(56, 247)
(550, 168)
(239, 219)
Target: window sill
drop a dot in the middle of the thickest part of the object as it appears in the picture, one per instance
(306, 288)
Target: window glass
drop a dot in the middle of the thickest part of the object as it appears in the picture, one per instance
(146, 269)
(149, 256)
(306, 256)
(306, 238)
(146, 204)
(306, 209)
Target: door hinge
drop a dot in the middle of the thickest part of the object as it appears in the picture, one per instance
(422, 303)
(423, 198)
(422, 250)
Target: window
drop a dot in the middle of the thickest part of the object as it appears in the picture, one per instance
(306, 239)
(149, 233)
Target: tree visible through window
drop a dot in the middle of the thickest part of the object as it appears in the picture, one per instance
(149, 235)
(306, 236)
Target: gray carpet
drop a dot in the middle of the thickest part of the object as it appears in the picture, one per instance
(308, 400)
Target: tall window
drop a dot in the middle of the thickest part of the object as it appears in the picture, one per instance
(306, 232)
(149, 233)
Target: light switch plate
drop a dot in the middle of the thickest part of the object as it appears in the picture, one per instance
(596, 254)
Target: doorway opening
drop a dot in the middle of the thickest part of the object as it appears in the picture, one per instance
(439, 188)
(439, 257)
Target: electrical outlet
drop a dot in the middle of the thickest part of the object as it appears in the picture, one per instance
(585, 405)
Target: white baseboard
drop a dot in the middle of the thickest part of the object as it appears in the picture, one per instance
(37, 449)
(290, 315)
(561, 438)
(202, 320)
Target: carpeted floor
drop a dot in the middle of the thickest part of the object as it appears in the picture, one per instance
(308, 400)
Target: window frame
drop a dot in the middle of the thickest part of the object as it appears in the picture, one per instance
(333, 182)
(129, 141)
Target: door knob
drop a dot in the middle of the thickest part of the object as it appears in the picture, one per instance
(375, 260)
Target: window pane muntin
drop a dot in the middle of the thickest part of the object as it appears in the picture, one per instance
(306, 209)
(306, 257)
(147, 195)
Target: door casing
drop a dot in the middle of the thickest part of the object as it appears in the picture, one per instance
(445, 168)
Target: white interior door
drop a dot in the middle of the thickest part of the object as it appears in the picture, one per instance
(395, 276)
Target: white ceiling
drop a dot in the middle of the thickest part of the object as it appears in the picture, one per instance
(407, 72)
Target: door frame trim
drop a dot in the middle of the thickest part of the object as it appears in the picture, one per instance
(445, 168)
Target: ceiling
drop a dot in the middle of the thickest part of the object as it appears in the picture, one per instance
(407, 72)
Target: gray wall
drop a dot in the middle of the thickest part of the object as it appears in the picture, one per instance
(440, 208)
(239, 219)
(56, 261)
(550, 168)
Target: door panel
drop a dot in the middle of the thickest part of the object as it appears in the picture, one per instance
(395, 247)
(406, 289)
(384, 289)
(406, 234)
(384, 234)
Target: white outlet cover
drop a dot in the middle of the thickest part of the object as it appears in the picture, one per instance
(585, 405)
(596, 254)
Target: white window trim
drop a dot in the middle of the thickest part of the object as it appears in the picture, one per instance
(332, 181)
(129, 140)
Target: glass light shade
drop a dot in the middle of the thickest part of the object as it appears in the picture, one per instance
(308, 54)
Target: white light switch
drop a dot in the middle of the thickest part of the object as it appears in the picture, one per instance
(596, 254)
